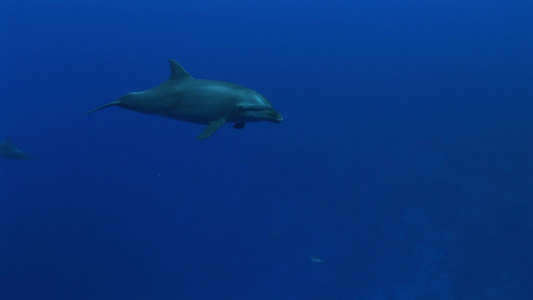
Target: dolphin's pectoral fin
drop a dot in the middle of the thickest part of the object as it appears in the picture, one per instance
(211, 128)
(239, 125)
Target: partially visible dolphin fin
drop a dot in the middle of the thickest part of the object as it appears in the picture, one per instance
(211, 128)
(32, 157)
(239, 125)
(102, 107)
(177, 71)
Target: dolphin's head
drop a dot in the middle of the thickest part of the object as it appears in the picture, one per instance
(254, 107)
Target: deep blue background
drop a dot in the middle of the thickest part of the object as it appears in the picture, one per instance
(404, 162)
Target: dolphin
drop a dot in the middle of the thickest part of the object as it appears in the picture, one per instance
(200, 101)
(10, 151)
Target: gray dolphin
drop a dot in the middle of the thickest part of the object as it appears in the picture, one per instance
(200, 101)
(10, 151)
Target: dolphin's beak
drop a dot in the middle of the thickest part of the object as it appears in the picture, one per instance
(274, 116)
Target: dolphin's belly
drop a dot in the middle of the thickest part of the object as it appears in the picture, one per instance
(194, 106)
(200, 113)
(188, 115)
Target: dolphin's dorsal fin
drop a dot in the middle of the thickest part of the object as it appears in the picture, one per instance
(177, 71)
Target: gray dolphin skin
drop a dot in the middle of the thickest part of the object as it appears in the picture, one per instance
(200, 101)
(10, 151)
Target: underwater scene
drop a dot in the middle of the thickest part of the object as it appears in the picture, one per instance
(287, 150)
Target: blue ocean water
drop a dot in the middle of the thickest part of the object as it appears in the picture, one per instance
(403, 168)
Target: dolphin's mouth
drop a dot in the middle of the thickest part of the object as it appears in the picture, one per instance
(274, 116)
(268, 115)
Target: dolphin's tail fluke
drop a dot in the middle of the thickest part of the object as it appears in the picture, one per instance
(102, 107)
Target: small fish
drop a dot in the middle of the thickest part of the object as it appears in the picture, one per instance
(316, 259)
